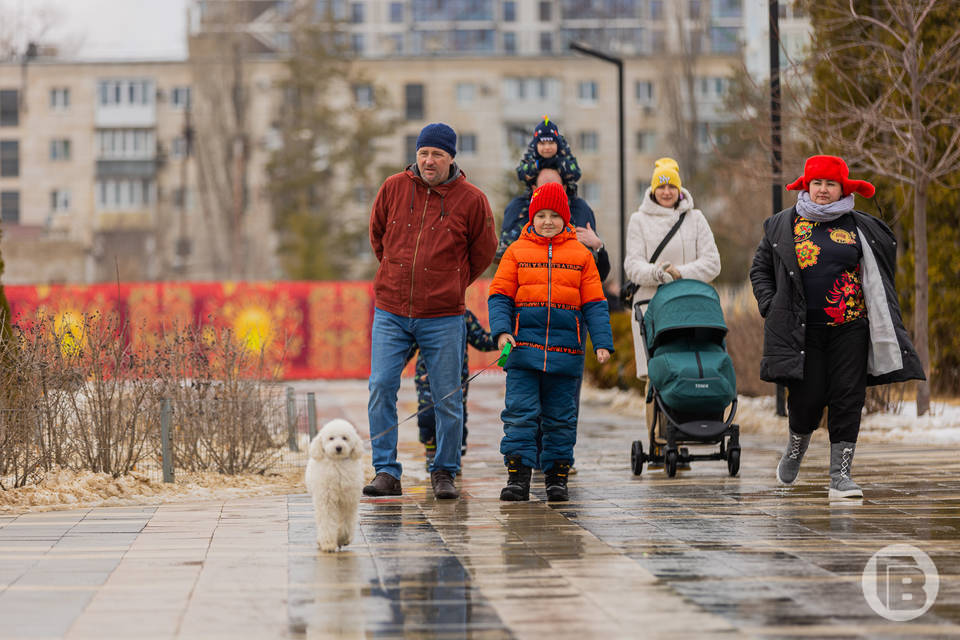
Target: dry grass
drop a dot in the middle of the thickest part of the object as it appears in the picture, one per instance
(76, 395)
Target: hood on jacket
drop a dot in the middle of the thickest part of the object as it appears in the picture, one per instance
(649, 206)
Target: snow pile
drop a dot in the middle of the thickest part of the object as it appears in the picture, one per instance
(69, 489)
(758, 415)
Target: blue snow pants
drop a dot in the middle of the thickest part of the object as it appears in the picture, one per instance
(548, 401)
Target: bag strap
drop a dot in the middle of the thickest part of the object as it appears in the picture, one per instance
(666, 238)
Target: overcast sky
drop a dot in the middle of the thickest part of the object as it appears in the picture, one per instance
(97, 29)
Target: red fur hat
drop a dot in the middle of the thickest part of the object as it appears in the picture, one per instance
(830, 168)
(550, 196)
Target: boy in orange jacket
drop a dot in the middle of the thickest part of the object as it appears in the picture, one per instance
(545, 294)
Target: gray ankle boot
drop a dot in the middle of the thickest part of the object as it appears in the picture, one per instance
(789, 465)
(841, 460)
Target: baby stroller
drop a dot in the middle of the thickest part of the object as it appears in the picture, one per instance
(691, 378)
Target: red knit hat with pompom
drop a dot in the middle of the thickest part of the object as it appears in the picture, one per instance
(550, 196)
(830, 168)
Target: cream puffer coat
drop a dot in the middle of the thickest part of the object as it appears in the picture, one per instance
(692, 250)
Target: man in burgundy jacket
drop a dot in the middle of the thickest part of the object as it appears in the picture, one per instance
(433, 233)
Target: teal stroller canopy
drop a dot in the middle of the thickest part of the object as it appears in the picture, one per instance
(686, 307)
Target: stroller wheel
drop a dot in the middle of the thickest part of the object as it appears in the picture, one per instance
(733, 460)
(637, 458)
(670, 462)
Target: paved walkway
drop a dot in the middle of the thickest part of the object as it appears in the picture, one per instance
(701, 555)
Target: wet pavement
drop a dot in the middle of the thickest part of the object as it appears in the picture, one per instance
(701, 555)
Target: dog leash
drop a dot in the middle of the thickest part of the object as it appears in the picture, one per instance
(500, 361)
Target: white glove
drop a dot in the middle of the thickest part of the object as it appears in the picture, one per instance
(662, 276)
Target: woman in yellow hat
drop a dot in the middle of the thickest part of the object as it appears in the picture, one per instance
(690, 253)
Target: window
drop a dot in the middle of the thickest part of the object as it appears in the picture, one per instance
(644, 92)
(356, 42)
(60, 200)
(724, 40)
(9, 158)
(646, 141)
(413, 94)
(727, 8)
(126, 144)
(591, 191)
(466, 93)
(60, 149)
(179, 147)
(125, 92)
(10, 207)
(180, 97)
(587, 92)
(656, 9)
(509, 11)
(545, 11)
(540, 89)
(509, 42)
(452, 10)
(60, 98)
(356, 13)
(124, 193)
(589, 141)
(396, 12)
(467, 143)
(363, 95)
(410, 149)
(713, 88)
(546, 42)
(9, 108)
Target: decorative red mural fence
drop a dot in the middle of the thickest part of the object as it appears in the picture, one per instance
(309, 329)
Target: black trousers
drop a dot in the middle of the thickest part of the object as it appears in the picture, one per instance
(835, 378)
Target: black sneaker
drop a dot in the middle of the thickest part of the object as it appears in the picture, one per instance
(518, 482)
(555, 481)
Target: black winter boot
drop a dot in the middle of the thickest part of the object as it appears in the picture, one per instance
(518, 481)
(555, 480)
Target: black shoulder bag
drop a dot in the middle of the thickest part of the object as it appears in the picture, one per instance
(629, 288)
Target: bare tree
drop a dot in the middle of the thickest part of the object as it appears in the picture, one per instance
(892, 72)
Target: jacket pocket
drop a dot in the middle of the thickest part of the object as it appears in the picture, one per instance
(392, 278)
(442, 291)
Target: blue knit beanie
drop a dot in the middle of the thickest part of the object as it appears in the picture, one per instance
(440, 136)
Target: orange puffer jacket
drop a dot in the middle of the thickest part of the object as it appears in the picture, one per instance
(546, 293)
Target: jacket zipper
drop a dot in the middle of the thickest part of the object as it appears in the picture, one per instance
(546, 340)
(416, 248)
(699, 364)
(579, 340)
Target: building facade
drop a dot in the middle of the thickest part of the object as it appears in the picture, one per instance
(100, 167)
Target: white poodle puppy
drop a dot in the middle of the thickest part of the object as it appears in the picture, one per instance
(335, 480)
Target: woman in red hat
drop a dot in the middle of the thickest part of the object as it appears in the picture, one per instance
(823, 277)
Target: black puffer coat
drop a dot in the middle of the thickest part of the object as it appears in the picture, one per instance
(775, 275)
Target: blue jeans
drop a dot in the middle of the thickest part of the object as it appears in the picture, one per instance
(441, 341)
(539, 401)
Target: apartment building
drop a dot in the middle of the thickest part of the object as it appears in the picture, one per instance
(95, 170)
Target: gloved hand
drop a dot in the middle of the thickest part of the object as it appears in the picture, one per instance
(663, 272)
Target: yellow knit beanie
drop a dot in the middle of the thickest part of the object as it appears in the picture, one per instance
(666, 171)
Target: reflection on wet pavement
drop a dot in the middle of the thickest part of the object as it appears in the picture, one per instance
(701, 555)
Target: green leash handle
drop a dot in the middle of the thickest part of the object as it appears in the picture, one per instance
(502, 360)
